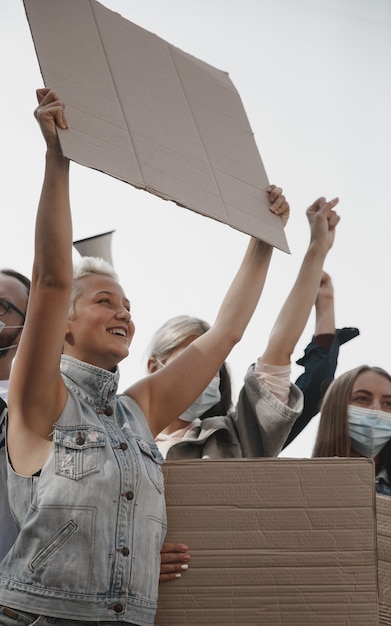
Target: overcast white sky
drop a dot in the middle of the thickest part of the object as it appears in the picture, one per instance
(314, 77)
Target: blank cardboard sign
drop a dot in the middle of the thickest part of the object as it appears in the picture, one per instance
(147, 113)
(277, 542)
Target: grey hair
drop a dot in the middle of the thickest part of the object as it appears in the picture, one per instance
(85, 267)
(173, 333)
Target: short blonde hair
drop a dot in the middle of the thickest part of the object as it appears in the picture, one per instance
(87, 266)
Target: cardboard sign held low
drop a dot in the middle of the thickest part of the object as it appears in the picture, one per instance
(151, 115)
(273, 542)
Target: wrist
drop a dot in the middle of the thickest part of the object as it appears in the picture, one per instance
(323, 302)
(318, 248)
(54, 156)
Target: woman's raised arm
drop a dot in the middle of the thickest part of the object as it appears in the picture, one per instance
(37, 393)
(165, 394)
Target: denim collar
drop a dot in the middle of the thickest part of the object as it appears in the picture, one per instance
(91, 383)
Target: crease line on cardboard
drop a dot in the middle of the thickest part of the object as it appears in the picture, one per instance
(170, 51)
(116, 90)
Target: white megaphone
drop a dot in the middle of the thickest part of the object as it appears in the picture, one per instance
(98, 246)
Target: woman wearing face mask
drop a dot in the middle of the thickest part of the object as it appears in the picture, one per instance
(269, 403)
(320, 362)
(355, 420)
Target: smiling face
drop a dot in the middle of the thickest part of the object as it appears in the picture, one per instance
(100, 330)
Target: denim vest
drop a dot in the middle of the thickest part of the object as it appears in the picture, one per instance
(93, 522)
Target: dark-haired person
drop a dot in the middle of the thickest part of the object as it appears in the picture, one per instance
(14, 293)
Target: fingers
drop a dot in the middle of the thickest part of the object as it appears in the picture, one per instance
(175, 558)
(165, 577)
(323, 208)
(41, 93)
(173, 569)
(333, 219)
(321, 204)
(278, 203)
(172, 552)
(50, 108)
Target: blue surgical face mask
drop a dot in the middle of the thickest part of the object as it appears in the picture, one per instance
(369, 429)
(209, 397)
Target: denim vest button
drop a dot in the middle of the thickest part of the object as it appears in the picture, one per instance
(80, 439)
(123, 446)
(108, 410)
(118, 608)
(129, 495)
(124, 551)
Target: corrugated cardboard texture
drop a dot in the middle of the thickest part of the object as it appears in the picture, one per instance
(149, 114)
(383, 512)
(273, 541)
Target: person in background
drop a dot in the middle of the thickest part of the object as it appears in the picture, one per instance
(355, 420)
(14, 293)
(85, 481)
(268, 403)
(320, 356)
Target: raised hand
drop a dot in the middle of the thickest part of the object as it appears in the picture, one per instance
(323, 220)
(278, 203)
(50, 115)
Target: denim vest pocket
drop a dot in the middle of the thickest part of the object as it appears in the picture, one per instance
(78, 451)
(56, 542)
(152, 459)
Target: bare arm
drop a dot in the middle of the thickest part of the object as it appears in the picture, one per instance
(295, 312)
(165, 394)
(324, 307)
(37, 393)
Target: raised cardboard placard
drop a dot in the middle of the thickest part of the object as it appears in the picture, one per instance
(273, 542)
(152, 115)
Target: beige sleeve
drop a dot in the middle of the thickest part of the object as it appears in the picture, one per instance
(276, 378)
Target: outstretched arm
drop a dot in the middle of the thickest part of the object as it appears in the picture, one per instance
(321, 356)
(37, 393)
(295, 312)
(165, 394)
